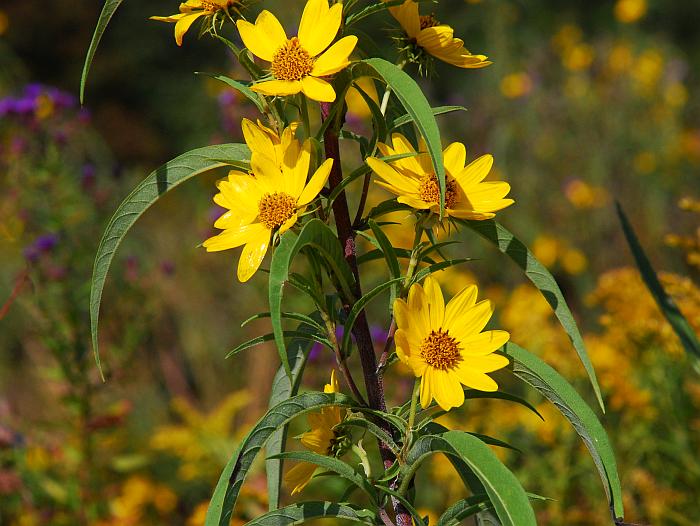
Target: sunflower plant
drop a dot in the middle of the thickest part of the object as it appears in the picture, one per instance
(289, 197)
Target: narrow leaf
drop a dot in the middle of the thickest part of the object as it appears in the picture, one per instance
(161, 181)
(108, 11)
(315, 234)
(504, 490)
(299, 335)
(305, 511)
(440, 110)
(557, 390)
(668, 307)
(538, 274)
(239, 87)
(416, 105)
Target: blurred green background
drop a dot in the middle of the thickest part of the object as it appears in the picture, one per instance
(586, 103)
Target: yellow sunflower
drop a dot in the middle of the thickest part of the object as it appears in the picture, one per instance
(322, 439)
(413, 179)
(264, 141)
(268, 199)
(436, 39)
(298, 63)
(444, 345)
(191, 10)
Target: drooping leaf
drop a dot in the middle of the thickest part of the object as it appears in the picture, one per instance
(319, 237)
(240, 87)
(416, 105)
(299, 335)
(303, 318)
(283, 388)
(557, 390)
(108, 11)
(668, 307)
(508, 497)
(161, 181)
(302, 512)
(538, 274)
(231, 480)
(371, 10)
(332, 464)
(472, 394)
(373, 428)
(357, 309)
(440, 110)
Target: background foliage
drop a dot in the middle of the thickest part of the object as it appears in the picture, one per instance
(583, 105)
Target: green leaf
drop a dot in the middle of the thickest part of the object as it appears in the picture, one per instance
(242, 88)
(389, 252)
(471, 394)
(440, 110)
(283, 388)
(357, 309)
(161, 181)
(227, 489)
(504, 490)
(557, 390)
(108, 11)
(464, 508)
(436, 267)
(417, 519)
(259, 340)
(378, 121)
(668, 307)
(315, 234)
(303, 318)
(413, 100)
(305, 511)
(374, 255)
(538, 274)
(332, 464)
(373, 428)
(370, 10)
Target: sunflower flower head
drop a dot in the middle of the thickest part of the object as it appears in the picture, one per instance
(269, 199)
(324, 438)
(413, 180)
(298, 64)
(192, 10)
(445, 345)
(425, 36)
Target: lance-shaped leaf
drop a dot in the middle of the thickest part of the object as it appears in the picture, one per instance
(161, 181)
(283, 388)
(228, 488)
(557, 390)
(464, 508)
(416, 105)
(319, 237)
(306, 511)
(108, 11)
(538, 274)
(241, 87)
(508, 497)
(332, 464)
(440, 110)
(665, 302)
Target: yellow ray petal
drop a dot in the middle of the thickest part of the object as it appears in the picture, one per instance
(435, 302)
(406, 185)
(289, 223)
(426, 388)
(483, 343)
(403, 349)
(232, 219)
(447, 389)
(465, 299)
(487, 364)
(471, 321)
(296, 173)
(335, 57)
(407, 15)
(318, 180)
(403, 146)
(235, 237)
(279, 88)
(476, 380)
(183, 24)
(417, 305)
(299, 476)
(251, 257)
(414, 202)
(265, 37)
(319, 25)
(475, 171)
(258, 140)
(455, 157)
(317, 89)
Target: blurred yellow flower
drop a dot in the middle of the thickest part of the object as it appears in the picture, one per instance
(629, 11)
(357, 106)
(191, 10)
(645, 162)
(574, 261)
(322, 439)
(516, 85)
(585, 196)
(297, 64)
(4, 22)
(267, 200)
(413, 179)
(647, 70)
(435, 38)
(579, 57)
(444, 344)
